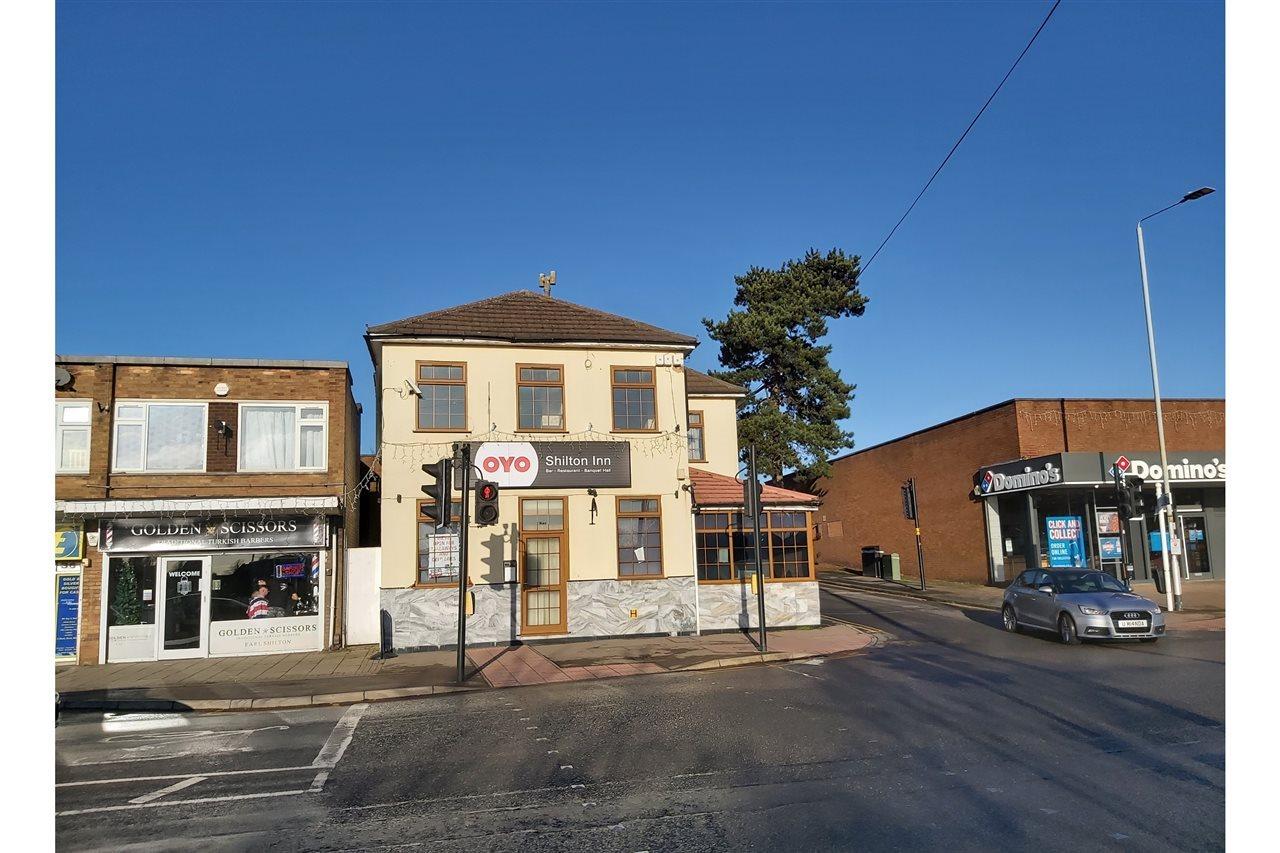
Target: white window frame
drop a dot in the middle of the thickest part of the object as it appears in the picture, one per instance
(297, 435)
(146, 405)
(59, 428)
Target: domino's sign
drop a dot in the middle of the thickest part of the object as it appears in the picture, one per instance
(1028, 478)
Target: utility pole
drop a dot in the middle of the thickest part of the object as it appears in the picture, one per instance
(462, 453)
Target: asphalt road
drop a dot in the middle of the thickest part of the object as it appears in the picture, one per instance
(950, 734)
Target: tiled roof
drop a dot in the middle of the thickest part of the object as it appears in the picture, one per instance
(696, 383)
(711, 489)
(523, 316)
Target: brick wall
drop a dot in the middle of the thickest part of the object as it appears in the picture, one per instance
(863, 490)
(863, 493)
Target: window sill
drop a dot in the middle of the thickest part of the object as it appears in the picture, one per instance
(642, 577)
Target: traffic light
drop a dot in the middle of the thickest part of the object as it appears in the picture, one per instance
(1136, 496)
(909, 500)
(1124, 500)
(486, 503)
(752, 494)
(440, 491)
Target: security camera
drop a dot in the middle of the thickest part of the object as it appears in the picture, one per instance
(412, 388)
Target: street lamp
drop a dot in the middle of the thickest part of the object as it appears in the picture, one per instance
(1164, 510)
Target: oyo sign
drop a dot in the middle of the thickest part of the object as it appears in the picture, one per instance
(513, 464)
(554, 464)
(1028, 478)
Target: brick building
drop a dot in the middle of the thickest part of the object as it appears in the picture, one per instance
(987, 481)
(182, 482)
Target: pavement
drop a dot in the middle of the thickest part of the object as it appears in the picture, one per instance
(954, 735)
(1204, 602)
(355, 674)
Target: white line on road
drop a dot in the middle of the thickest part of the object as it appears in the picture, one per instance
(339, 739)
(175, 787)
(120, 781)
(191, 801)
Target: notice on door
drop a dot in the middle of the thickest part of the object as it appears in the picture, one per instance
(265, 636)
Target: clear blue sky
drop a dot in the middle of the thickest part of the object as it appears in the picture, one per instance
(263, 180)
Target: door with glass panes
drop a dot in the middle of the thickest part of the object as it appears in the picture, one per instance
(183, 614)
(544, 565)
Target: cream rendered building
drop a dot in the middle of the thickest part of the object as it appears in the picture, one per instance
(583, 419)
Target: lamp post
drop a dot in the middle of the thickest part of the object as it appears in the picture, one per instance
(1164, 509)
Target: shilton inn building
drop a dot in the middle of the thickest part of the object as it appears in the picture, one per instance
(619, 508)
(1027, 483)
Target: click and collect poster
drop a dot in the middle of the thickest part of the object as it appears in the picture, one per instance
(1065, 535)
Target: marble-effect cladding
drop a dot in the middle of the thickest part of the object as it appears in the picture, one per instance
(427, 618)
(424, 618)
(603, 608)
(733, 605)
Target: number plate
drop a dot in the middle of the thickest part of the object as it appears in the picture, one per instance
(1132, 623)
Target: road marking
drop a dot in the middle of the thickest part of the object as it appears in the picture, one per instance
(121, 781)
(191, 801)
(176, 786)
(339, 739)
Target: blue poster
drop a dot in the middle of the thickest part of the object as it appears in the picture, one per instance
(1109, 548)
(1065, 535)
(1154, 536)
(67, 630)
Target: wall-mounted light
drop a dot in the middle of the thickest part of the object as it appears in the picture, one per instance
(594, 508)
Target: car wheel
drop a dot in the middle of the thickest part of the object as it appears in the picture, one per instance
(1067, 630)
(1010, 619)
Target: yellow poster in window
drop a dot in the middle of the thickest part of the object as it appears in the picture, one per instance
(68, 542)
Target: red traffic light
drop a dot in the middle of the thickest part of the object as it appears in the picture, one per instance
(488, 492)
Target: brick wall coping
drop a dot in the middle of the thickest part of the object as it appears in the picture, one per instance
(197, 362)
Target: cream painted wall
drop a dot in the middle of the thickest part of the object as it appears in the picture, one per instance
(659, 462)
(720, 419)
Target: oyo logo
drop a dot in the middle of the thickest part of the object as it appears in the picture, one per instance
(987, 479)
(508, 463)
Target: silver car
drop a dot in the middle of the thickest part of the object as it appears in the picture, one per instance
(1078, 605)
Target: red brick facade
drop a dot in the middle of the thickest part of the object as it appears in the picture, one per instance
(105, 382)
(861, 501)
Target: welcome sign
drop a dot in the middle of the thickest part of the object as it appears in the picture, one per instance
(553, 464)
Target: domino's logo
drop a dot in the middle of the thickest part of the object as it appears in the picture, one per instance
(987, 480)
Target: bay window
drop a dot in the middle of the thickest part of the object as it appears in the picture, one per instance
(725, 548)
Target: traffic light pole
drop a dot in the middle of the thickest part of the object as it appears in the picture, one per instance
(462, 452)
(753, 507)
(915, 508)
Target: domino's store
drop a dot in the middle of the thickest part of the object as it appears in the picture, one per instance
(1061, 510)
(201, 587)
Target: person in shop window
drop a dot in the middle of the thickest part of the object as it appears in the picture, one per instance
(258, 604)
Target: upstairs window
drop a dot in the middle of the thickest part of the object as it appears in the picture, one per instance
(633, 400)
(540, 397)
(443, 404)
(283, 436)
(697, 446)
(71, 438)
(160, 437)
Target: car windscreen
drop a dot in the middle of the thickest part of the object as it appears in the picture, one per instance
(1087, 582)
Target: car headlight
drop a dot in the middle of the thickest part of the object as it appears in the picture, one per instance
(1157, 608)
(1092, 611)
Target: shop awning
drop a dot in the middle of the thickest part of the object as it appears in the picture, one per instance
(719, 491)
(196, 505)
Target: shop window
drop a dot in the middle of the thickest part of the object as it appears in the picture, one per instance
(442, 404)
(71, 438)
(131, 584)
(540, 398)
(438, 566)
(258, 586)
(283, 437)
(633, 399)
(712, 544)
(639, 537)
(697, 438)
(725, 548)
(160, 437)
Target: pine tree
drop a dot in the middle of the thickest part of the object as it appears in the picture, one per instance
(770, 345)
